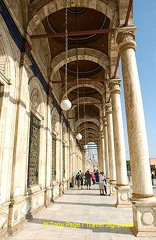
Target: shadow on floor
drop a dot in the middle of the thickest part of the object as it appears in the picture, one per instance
(88, 204)
(84, 188)
(84, 225)
(80, 194)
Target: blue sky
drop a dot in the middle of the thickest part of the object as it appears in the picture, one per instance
(144, 14)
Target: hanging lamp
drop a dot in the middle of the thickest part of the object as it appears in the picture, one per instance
(65, 103)
(79, 135)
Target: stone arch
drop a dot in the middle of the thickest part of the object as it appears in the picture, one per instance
(81, 120)
(92, 131)
(94, 127)
(38, 107)
(55, 121)
(91, 137)
(90, 140)
(97, 86)
(85, 100)
(37, 97)
(8, 66)
(41, 9)
(64, 133)
(80, 54)
(3, 57)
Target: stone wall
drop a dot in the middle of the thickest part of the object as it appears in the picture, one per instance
(23, 93)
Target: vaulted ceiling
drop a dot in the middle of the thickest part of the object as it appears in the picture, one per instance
(93, 55)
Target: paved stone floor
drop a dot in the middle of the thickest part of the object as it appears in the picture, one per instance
(79, 207)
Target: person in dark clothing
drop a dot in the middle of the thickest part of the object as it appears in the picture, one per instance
(77, 178)
(97, 176)
(152, 177)
(81, 180)
(88, 178)
(105, 185)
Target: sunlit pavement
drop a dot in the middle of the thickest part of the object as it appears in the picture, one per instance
(70, 213)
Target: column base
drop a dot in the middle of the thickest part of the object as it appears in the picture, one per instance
(112, 188)
(142, 233)
(55, 190)
(60, 189)
(144, 217)
(48, 196)
(123, 195)
(4, 216)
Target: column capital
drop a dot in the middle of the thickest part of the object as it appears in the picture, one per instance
(125, 38)
(114, 85)
(108, 108)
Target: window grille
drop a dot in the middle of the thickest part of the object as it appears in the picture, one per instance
(33, 150)
(53, 170)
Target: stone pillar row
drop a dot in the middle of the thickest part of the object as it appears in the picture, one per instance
(143, 200)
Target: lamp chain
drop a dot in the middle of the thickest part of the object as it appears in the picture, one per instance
(85, 116)
(66, 47)
(77, 74)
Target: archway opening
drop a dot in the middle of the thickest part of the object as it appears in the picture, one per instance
(92, 157)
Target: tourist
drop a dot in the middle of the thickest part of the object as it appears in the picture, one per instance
(77, 178)
(93, 178)
(88, 177)
(152, 177)
(101, 184)
(105, 185)
(97, 176)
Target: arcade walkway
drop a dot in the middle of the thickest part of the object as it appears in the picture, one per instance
(79, 207)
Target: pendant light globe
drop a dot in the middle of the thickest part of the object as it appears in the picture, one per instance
(79, 136)
(66, 104)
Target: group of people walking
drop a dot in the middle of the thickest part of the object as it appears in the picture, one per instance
(84, 179)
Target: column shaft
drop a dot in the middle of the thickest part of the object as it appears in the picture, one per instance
(120, 157)
(84, 161)
(106, 150)
(142, 186)
(103, 153)
(111, 143)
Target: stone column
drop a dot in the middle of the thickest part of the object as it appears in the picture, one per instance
(84, 160)
(143, 202)
(103, 166)
(99, 157)
(106, 150)
(123, 190)
(111, 148)
(48, 192)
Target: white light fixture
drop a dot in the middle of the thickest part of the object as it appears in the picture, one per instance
(79, 136)
(65, 103)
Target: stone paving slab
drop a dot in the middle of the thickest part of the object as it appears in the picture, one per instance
(80, 206)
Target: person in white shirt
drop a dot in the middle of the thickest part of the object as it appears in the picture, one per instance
(101, 184)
